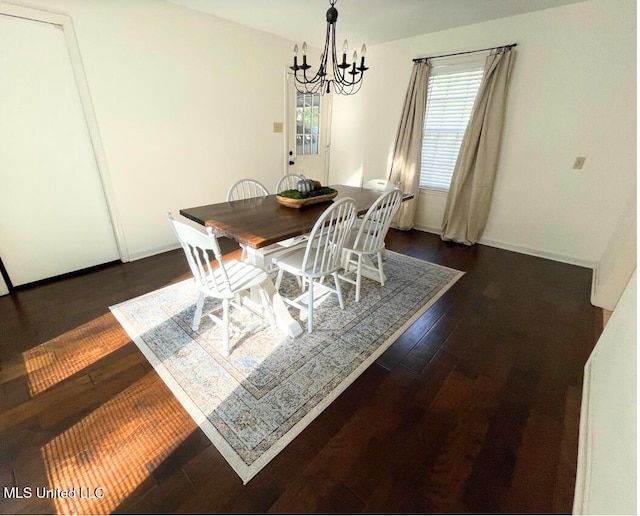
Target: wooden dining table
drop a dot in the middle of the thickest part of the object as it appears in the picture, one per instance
(262, 222)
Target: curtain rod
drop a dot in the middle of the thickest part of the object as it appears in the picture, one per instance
(417, 59)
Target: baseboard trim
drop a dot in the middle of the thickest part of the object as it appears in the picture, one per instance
(571, 260)
(491, 243)
(152, 252)
(163, 249)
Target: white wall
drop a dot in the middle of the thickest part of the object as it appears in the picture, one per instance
(612, 272)
(185, 104)
(606, 480)
(572, 93)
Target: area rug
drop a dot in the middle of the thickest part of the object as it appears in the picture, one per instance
(256, 401)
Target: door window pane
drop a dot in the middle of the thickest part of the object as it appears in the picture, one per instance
(307, 123)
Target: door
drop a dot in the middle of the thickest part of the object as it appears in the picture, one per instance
(53, 212)
(308, 127)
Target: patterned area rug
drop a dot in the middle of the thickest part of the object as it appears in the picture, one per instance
(253, 403)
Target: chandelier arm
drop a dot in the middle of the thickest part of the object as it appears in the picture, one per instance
(342, 75)
(325, 55)
(306, 86)
(318, 78)
(337, 71)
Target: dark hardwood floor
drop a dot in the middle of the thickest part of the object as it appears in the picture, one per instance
(475, 408)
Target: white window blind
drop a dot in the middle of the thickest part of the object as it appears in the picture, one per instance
(451, 93)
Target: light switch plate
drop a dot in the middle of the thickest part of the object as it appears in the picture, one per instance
(579, 162)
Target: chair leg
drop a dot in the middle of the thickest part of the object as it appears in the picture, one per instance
(380, 271)
(346, 262)
(279, 279)
(338, 290)
(225, 327)
(198, 314)
(358, 278)
(310, 307)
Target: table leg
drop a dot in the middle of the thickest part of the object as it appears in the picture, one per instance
(283, 318)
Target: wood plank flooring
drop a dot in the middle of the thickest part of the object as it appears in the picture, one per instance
(475, 408)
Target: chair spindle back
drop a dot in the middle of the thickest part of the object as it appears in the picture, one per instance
(198, 248)
(324, 248)
(246, 189)
(377, 220)
(287, 182)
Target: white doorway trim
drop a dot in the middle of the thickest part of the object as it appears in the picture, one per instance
(66, 24)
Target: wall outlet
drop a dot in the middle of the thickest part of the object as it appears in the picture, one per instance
(579, 162)
(277, 127)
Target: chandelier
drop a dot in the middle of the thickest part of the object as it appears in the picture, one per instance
(345, 78)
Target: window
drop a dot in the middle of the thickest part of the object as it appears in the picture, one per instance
(307, 123)
(451, 93)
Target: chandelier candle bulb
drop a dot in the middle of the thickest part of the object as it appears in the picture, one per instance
(344, 63)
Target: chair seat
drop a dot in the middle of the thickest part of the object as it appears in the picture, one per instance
(241, 276)
(292, 262)
(349, 244)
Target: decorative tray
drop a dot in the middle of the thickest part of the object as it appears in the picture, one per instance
(307, 201)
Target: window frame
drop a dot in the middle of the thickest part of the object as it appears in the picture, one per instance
(448, 66)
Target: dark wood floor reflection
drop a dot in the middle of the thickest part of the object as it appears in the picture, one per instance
(474, 409)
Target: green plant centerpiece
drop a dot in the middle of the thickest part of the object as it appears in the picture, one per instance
(297, 194)
(307, 188)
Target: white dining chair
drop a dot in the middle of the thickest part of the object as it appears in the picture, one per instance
(246, 189)
(224, 281)
(368, 238)
(288, 182)
(320, 257)
(380, 185)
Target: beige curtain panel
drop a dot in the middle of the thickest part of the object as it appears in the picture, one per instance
(405, 167)
(467, 208)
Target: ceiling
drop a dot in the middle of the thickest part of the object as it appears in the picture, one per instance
(368, 21)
